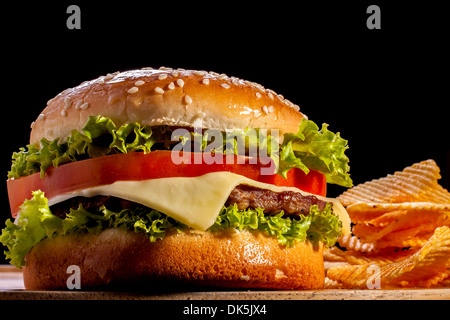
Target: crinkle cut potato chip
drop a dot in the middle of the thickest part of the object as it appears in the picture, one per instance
(377, 209)
(428, 266)
(414, 222)
(387, 255)
(351, 242)
(400, 227)
(387, 218)
(417, 183)
(380, 208)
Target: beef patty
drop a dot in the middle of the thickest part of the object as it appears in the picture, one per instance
(291, 203)
(244, 196)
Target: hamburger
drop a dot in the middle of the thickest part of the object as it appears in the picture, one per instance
(174, 176)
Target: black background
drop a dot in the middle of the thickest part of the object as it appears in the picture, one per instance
(385, 90)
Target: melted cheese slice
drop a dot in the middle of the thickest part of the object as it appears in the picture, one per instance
(194, 201)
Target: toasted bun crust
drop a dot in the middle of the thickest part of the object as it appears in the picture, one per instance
(167, 97)
(230, 259)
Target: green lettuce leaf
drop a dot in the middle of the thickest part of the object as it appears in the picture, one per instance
(36, 222)
(317, 226)
(325, 226)
(99, 137)
(22, 164)
(322, 151)
(309, 148)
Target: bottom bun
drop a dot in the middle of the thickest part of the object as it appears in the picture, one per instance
(236, 259)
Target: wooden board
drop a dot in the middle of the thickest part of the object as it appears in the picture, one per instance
(12, 288)
(326, 294)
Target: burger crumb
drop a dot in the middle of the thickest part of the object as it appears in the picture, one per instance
(279, 274)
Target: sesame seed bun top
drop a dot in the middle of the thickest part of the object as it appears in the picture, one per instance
(175, 97)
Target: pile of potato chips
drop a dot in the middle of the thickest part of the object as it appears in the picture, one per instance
(400, 233)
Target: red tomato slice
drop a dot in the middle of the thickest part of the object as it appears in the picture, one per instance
(139, 166)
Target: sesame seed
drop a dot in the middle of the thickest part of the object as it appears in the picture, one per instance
(109, 76)
(187, 99)
(133, 90)
(265, 110)
(199, 73)
(270, 109)
(171, 86)
(159, 90)
(280, 97)
(180, 83)
(223, 76)
(162, 76)
(79, 103)
(224, 85)
(32, 125)
(205, 81)
(84, 106)
(139, 83)
(259, 87)
(270, 95)
(147, 68)
(63, 112)
(41, 116)
(258, 95)
(175, 73)
(288, 102)
(235, 81)
(68, 103)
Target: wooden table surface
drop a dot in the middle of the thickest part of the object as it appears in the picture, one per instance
(12, 288)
